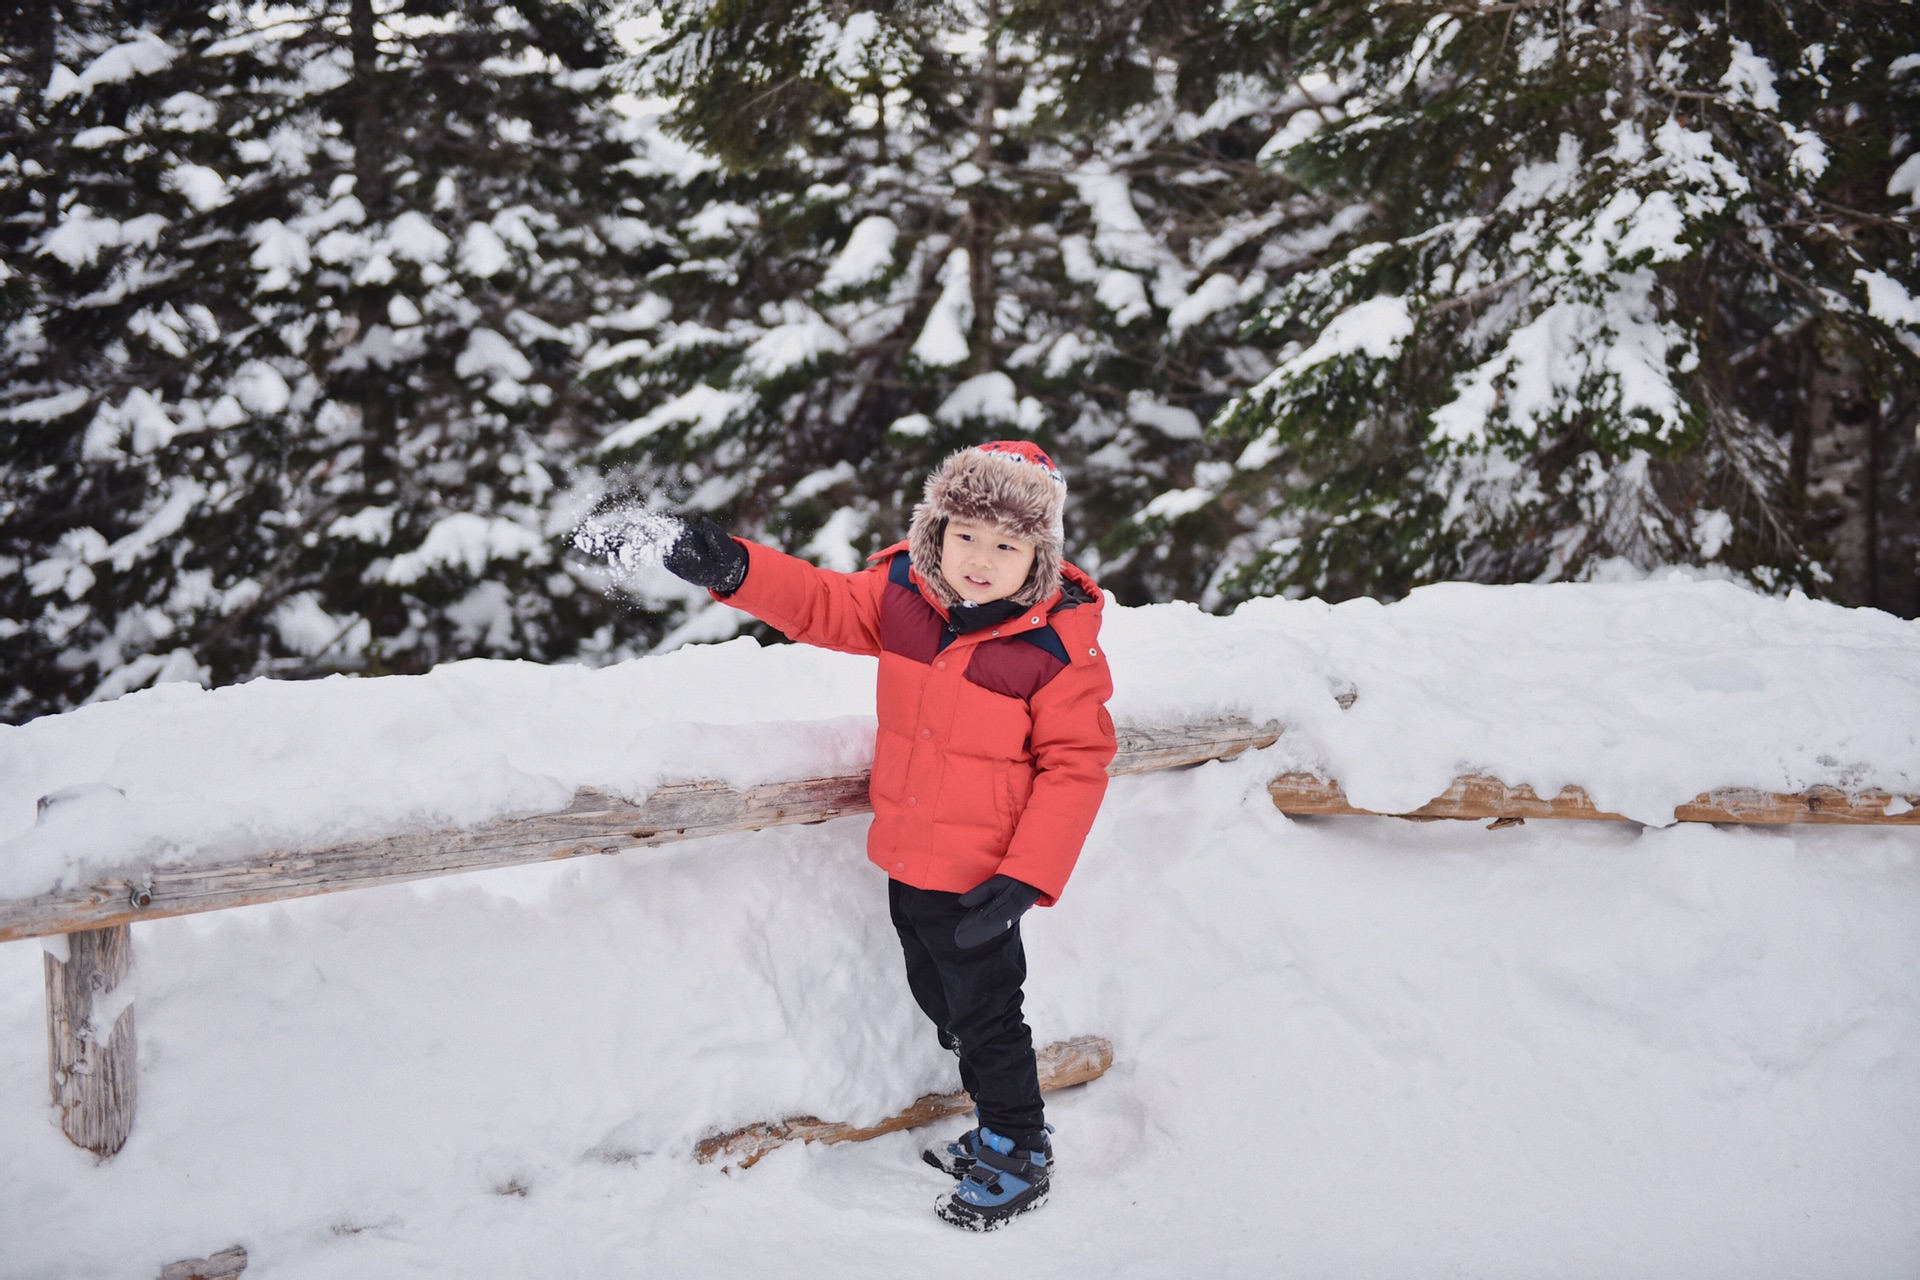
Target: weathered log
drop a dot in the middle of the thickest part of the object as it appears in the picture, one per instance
(1473, 797)
(1170, 746)
(594, 823)
(91, 1058)
(224, 1265)
(1062, 1064)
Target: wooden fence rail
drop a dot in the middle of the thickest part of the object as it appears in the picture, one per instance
(1474, 797)
(594, 823)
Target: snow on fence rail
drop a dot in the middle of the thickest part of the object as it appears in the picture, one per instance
(92, 1056)
(90, 1018)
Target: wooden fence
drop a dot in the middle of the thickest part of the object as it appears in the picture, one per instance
(92, 1057)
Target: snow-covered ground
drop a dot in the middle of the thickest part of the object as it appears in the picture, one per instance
(1343, 1046)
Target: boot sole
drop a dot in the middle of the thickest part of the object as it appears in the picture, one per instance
(969, 1219)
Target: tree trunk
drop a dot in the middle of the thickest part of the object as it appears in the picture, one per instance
(980, 204)
(1840, 480)
(90, 1040)
(370, 150)
(1897, 506)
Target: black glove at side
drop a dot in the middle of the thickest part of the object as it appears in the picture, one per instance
(997, 903)
(704, 555)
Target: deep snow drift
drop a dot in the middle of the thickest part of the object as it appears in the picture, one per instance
(1644, 693)
(1344, 1046)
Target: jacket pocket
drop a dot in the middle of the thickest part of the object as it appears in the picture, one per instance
(970, 795)
(890, 753)
(1015, 789)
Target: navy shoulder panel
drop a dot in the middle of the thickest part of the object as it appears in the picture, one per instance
(1047, 640)
(898, 572)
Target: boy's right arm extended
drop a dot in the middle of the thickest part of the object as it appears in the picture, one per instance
(809, 604)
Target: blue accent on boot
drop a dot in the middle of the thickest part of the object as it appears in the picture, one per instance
(1006, 1180)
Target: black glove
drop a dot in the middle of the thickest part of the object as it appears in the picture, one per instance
(997, 903)
(704, 555)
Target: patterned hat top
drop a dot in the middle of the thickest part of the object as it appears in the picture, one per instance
(1024, 451)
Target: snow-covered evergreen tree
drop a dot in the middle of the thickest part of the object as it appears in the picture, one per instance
(931, 224)
(1623, 266)
(293, 303)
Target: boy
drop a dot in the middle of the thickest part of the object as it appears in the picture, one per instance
(988, 768)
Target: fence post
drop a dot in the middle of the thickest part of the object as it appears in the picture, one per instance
(91, 1058)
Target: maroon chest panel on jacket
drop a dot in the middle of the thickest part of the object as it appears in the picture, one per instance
(908, 624)
(1014, 666)
(1017, 666)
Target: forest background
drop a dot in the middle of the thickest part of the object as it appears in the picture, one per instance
(323, 326)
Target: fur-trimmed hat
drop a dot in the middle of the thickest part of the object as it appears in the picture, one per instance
(1009, 484)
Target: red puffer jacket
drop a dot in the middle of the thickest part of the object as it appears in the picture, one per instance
(994, 744)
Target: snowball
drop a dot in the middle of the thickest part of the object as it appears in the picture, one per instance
(629, 538)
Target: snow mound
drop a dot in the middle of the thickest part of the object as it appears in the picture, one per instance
(1645, 694)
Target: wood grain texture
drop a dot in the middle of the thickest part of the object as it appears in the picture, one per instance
(1474, 797)
(224, 1265)
(593, 824)
(91, 1054)
(1062, 1064)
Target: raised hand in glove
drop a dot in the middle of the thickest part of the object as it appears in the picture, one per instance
(996, 904)
(704, 555)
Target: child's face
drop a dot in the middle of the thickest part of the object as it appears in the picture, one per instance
(982, 563)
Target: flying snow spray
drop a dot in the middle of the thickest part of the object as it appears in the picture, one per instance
(627, 537)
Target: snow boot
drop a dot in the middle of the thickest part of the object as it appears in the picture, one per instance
(955, 1158)
(1004, 1182)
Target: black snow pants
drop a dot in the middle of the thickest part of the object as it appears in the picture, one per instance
(973, 997)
